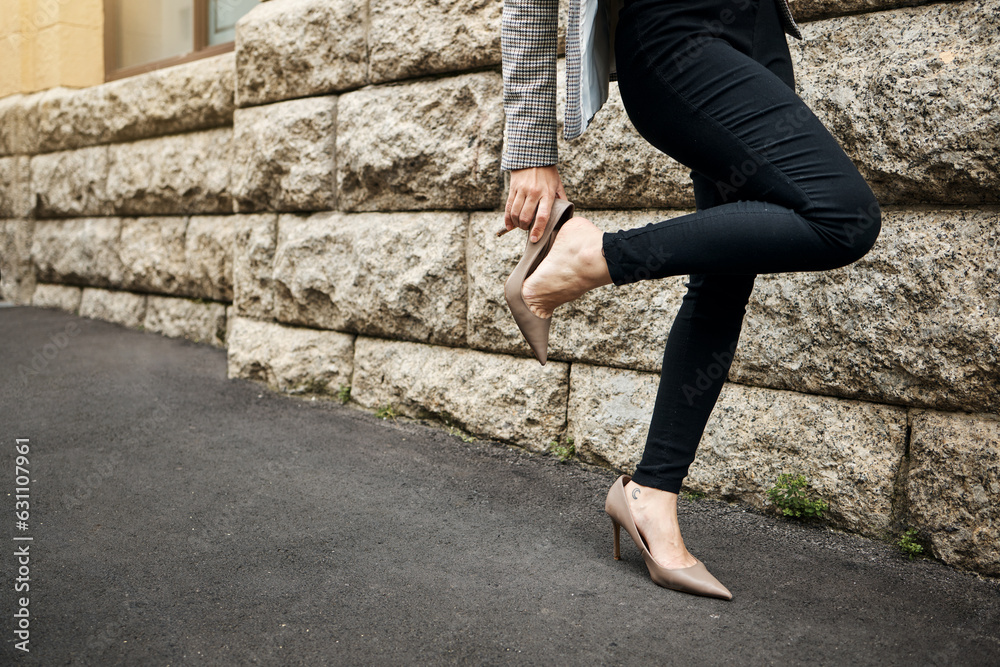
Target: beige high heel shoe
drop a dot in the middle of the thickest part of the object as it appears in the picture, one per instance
(696, 579)
(535, 329)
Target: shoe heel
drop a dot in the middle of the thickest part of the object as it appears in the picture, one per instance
(618, 549)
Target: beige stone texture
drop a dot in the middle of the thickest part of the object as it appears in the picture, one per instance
(62, 297)
(43, 13)
(152, 253)
(917, 321)
(849, 450)
(492, 395)
(159, 254)
(253, 265)
(17, 276)
(953, 487)
(15, 187)
(612, 166)
(10, 74)
(409, 39)
(911, 95)
(68, 55)
(608, 414)
(423, 145)
(182, 318)
(290, 359)
(285, 156)
(123, 308)
(192, 96)
(79, 251)
(612, 326)
(182, 173)
(71, 183)
(208, 256)
(397, 275)
(295, 48)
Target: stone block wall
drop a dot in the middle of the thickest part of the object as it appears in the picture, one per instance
(323, 202)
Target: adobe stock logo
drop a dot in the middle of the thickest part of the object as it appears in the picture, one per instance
(706, 377)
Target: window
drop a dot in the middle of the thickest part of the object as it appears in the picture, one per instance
(142, 35)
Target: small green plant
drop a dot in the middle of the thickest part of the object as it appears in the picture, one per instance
(386, 412)
(459, 433)
(564, 452)
(692, 495)
(909, 545)
(791, 496)
(344, 393)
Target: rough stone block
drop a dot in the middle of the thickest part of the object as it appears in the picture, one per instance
(80, 251)
(409, 39)
(192, 96)
(609, 412)
(612, 166)
(295, 48)
(17, 131)
(15, 187)
(62, 297)
(253, 265)
(285, 156)
(71, 183)
(911, 95)
(917, 321)
(152, 251)
(398, 275)
(208, 256)
(290, 359)
(812, 10)
(123, 308)
(849, 450)
(422, 145)
(17, 275)
(182, 173)
(613, 326)
(183, 318)
(493, 395)
(953, 487)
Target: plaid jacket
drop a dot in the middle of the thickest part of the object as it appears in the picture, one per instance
(528, 39)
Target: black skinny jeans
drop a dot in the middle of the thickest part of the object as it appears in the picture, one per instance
(710, 83)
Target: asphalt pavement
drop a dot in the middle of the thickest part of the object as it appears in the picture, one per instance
(177, 517)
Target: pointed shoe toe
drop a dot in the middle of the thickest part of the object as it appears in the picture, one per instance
(696, 580)
(535, 329)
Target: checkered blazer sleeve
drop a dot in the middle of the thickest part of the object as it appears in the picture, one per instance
(528, 42)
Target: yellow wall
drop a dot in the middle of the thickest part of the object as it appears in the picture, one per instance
(48, 43)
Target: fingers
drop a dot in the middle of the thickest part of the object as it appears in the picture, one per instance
(529, 202)
(515, 203)
(542, 219)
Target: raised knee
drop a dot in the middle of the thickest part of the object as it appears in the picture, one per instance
(860, 230)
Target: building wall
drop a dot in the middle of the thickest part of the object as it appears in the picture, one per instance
(323, 203)
(49, 43)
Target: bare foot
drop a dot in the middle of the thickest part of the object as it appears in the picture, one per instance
(655, 514)
(574, 266)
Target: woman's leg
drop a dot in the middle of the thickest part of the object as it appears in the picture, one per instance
(775, 193)
(792, 200)
(696, 361)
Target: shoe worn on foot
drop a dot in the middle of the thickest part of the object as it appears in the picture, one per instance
(696, 579)
(535, 329)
